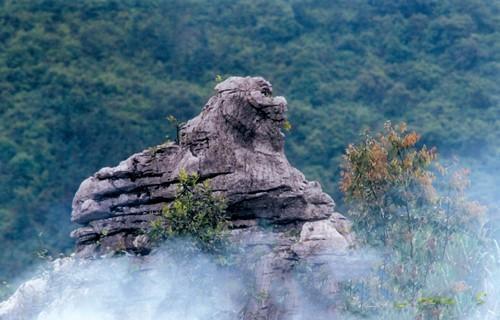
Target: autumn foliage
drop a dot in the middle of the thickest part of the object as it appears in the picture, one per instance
(402, 200)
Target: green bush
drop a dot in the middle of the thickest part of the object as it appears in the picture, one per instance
(196, 214)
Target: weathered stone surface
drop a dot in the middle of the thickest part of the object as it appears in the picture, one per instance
(279, 219)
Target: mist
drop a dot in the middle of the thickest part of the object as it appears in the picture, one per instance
(164, 285)
(174, 283)
(169, 284)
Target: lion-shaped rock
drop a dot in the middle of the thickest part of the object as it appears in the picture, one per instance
(280, 220)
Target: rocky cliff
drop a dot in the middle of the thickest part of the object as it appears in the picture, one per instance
(279, 219)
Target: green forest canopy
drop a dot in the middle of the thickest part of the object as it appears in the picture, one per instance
(83, 84)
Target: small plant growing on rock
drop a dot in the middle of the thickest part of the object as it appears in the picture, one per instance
(196, 214)
(287, 126)
(178, 125)
(218, 78)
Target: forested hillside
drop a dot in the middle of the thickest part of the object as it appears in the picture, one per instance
(83, 84)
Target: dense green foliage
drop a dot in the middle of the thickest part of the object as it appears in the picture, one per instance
(85, 83)
(197, 215)
(435, 249)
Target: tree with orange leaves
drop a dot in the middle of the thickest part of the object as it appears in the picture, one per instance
(404, 202)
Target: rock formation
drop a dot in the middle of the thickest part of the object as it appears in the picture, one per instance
(237, 143)
(281, 220)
